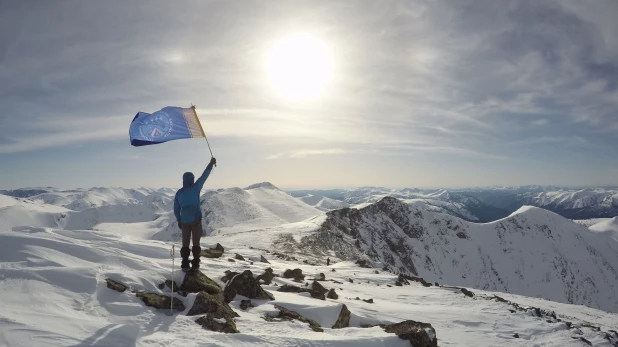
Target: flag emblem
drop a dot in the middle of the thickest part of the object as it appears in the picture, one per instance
(167, 124)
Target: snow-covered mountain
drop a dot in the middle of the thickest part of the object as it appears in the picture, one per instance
(488, 204)
(323, 203)
(533, 252)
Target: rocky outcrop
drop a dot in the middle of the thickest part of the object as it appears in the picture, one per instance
(160, 301)
(216, 252)
(288, 315)
(263, 260)
(210, 304)
(419, 334)
(168, 284)
(239, 257)
(117, 286)
(221, 325)
(332, 294)
(228, 276)
(296, 274)
(245, 285)
(287, 288)
(343, 321)
(267, 276)
(196, 281)
(245, 304)
(318, 291)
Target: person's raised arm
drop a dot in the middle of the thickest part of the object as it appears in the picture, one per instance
(200, 181)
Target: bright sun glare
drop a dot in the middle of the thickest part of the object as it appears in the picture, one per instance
(300, 66)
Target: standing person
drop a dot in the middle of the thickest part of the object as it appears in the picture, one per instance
(189, 215)
(327, 261)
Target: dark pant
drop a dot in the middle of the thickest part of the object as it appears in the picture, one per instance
(191, 231)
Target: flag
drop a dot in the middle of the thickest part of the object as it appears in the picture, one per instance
(167, 124)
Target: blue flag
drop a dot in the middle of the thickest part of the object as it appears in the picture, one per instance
(167, 124)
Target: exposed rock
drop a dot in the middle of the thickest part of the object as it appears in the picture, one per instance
(467, 292)
(583, 339)
(369, 301)
(287, 288)
(376, 272)
(239, 257)
(231, 260)
(321, 277)
(318, 289)
(211, 323)
(263, 260)
(168, 284)
(245, 285)
(332, 294)
(117, 286)
(419, 334)
(228, 276)
(343, 321)
(516, 335)
(288, 315)
(333, 270)
(245, 304)
(350, 280)
(196, 281)
(206, 303)
(364, 263)
(216, 252)
(267, 276)
(160, 301)
(296, 274)
(334, 281)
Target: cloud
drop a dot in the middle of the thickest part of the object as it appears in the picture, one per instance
(303, 153)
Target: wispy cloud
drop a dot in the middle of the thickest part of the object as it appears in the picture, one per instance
(303, 153)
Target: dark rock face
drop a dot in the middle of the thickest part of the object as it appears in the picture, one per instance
(419, 334)
(369, 301)
(245, 285)
(332, 294)
(206, 303)
(318, 291)
(467, 292)
(267, 276)
(239, 257)
(245, 304)
(296, 274)
(286, 288)
(196, 281)
(160, 301)
(364, 263)
(209, 322)
(288, 315)
(343, 321)
(231, 260)
(220, 248)
(117, 286)
(263, 260)
(168, 284)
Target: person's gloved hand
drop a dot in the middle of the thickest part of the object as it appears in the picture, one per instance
(213, 161)
(179, 225)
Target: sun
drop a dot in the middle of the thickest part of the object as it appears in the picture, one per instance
(300, 66)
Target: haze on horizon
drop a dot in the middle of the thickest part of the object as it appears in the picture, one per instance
(309, 94)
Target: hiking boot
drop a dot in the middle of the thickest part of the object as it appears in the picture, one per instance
(184, 253)
(195, 263)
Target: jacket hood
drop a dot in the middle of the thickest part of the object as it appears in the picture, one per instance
(187, 179)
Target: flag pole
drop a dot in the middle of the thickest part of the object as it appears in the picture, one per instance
(202, 129)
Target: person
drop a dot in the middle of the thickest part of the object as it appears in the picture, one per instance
(189, 215)
(327, 261)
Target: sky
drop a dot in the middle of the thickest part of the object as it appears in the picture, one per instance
(420, 93)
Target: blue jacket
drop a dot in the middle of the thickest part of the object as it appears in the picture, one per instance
(187, 201)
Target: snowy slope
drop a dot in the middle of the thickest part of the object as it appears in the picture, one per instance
(255, 207)
(19, 211)
(323, 203)
(54, 294)
(533, 252)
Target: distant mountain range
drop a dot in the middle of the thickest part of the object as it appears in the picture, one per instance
(481, 204)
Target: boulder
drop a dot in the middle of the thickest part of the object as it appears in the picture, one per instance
(210, 304)
(369, 301)
(419, 334)
(228, 276)
(168, 284)
(267, 276)
(296, 274)
(217, 324)
(343, 321)
(332, 294)
(318, 291)
(247, 286)
(321, 277)
(363, 263)
(117, 286)
(287, 288)
(467, 292)
(216, 252)
(160, 301)
(288, 315)
(231, 260)
(196, 281)
(263, 260)
(239, 257)
(245, 304)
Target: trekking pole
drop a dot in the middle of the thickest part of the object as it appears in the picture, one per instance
(203, 133)
(172, 295)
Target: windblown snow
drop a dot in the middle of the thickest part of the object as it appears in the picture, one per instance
(58, 247)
